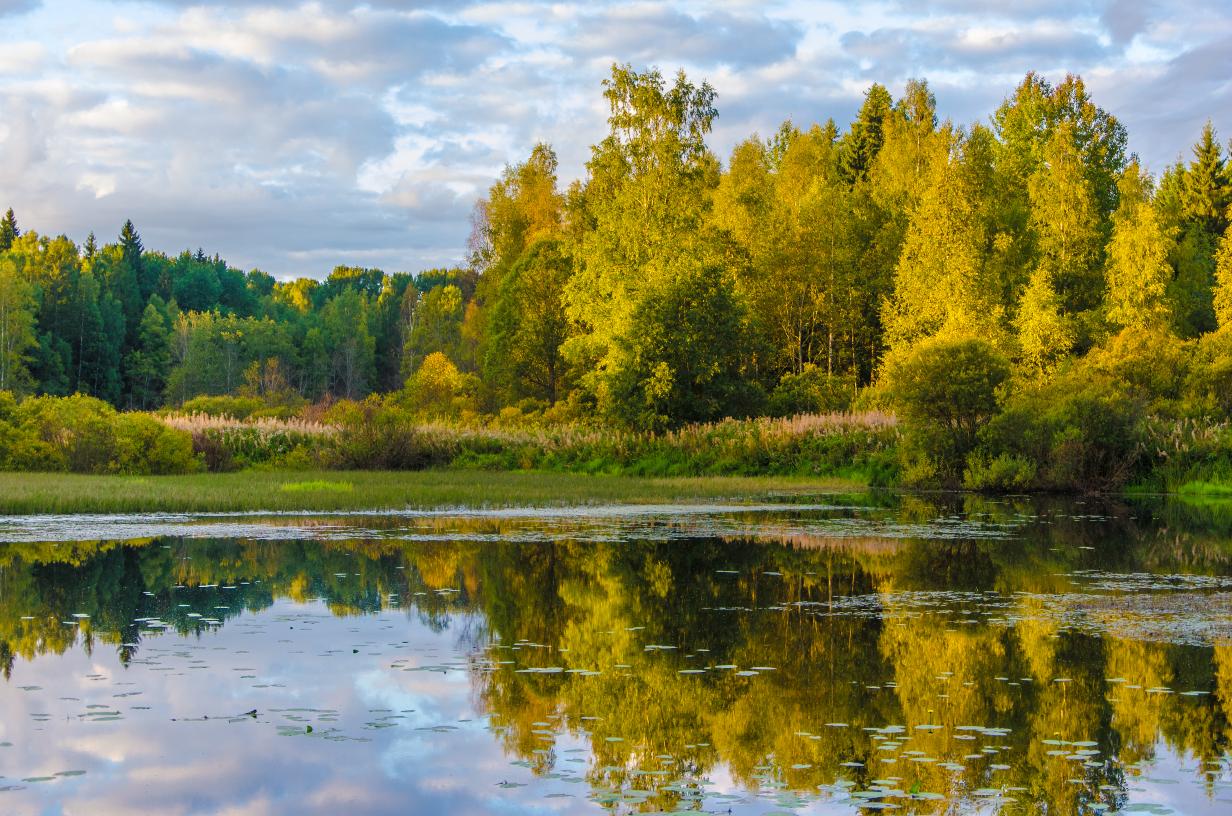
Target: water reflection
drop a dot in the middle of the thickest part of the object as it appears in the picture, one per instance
(895, 653)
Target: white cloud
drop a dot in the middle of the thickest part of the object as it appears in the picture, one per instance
(297, 135)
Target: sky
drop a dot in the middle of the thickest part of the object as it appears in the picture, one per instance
(295, 136)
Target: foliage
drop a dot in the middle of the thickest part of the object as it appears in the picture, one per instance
(81, 434)
(946, 391)
(1079, 432)
(811, 271)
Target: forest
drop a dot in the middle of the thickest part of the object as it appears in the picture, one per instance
(1035, 308)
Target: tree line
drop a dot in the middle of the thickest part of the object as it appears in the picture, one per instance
(668, 286)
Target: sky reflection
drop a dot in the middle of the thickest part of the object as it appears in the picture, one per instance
(372, 676)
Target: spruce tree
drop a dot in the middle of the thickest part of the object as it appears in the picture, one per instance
(1205, 195)
(863, 142)
(8, 231)
(146, 366)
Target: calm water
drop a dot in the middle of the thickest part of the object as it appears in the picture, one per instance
(840, 657)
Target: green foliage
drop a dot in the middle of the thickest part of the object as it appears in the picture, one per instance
(82, 434)
(812, 391)
(1138, 273)
(945, 391)
(528, 324)
(1080, 432)
(437, 325)
(683, 362)
(861, 146)
(224, 406)
(436, 388)
(143, 445)
(17, 326)
(1223, 280)
(8, 230)
(821, 268)
(150, 359)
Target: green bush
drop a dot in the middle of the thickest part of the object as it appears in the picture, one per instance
(223, 406)
(1003, 473)
(1082, 431)
(143, 445)
(82, 434)
(945, 391)
(812, 391)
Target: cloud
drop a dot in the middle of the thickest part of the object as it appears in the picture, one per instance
(974, 49)
(9, 8)
(1125, 19)
(294, 135)
(651, 33)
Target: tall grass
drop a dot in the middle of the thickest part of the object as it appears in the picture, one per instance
(382, 437)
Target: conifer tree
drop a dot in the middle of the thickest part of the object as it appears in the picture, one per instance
(8, 230)
(1206, 195)
(862, 143)
(149, 362)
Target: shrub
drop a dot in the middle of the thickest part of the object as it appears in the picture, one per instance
(1004, 472)
(1150, 366)
(86, 435)
(812, 391)
(945, 391)
(1082, 431)
(145, 445)
(223, 406)
(78, 431)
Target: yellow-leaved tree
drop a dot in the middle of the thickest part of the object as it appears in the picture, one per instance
(1137, 268)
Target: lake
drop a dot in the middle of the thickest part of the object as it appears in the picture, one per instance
(925, 654)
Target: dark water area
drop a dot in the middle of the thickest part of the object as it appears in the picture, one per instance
(918, 654)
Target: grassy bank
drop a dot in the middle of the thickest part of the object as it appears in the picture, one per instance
(22, 493)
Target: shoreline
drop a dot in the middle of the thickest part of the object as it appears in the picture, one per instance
(255, 491)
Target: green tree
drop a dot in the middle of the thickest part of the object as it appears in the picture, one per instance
(528, 324)
(522, 207)
(131, 252)
(1207, 190)
(862, 143)
(8, 230)
(1045, 334)
(1138, 272)
(684, 362)
(644, 204)
(344, 321)
(149, 363)
(1065, 222)
(437, 325)
(1223, 277)
(17, 322)
(939, 284)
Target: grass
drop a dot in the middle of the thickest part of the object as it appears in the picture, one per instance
(1205, 489)
(24, 493)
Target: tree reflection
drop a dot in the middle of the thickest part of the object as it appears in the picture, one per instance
(936, 666)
